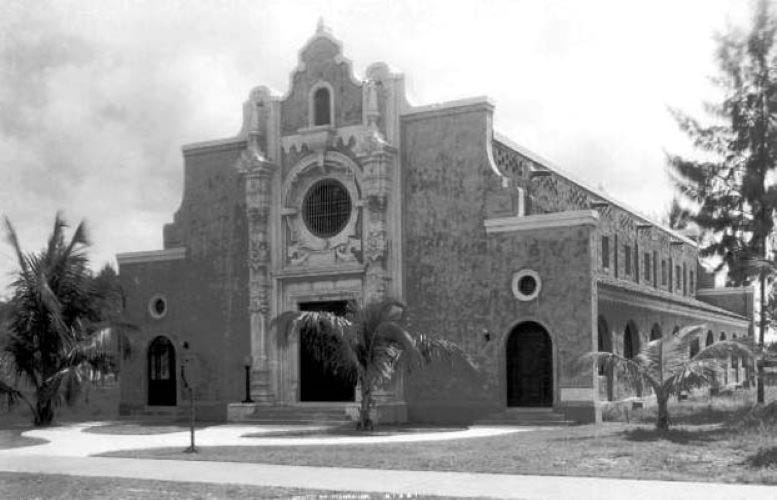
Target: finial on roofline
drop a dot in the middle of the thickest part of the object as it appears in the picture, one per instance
(321, 28)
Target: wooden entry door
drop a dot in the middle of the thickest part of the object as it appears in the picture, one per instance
(161, 373)
(317, 382)
(529, 366)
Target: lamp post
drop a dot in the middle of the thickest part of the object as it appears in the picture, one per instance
(247, 364)
(188, 384)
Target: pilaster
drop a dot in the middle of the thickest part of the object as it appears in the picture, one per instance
(259, 173)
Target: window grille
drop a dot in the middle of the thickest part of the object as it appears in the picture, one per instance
(678, 277)
(605, 252)
(327, 208)
(627, 259)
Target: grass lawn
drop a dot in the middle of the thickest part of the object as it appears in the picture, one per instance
(141, 428)
(10, 437)
(718, 441)
(98, 403)
(52, 486)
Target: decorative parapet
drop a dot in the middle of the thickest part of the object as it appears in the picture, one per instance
(449, 106)
(542, 221)
(597, 196)
(151, 256)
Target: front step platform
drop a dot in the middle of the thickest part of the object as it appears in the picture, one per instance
(302, 414)
(532, 417)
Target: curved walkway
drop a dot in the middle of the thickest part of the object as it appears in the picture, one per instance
(72, 441)
(69, 447)
(399, 482)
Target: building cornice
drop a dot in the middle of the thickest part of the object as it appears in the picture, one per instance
(542, 221)
(295, 273)
(177, 253)
(448, 107)
(725, 290)
(628, 294)
(214, 145)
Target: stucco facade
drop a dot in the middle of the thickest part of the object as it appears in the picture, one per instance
(340, 190)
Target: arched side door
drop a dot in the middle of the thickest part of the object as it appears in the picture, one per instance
(161, 373)
(529, 366)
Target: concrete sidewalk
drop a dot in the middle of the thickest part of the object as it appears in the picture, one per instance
(385, 481)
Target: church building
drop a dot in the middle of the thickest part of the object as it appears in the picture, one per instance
(340, 190)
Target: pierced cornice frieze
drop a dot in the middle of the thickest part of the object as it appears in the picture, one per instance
(358, 138)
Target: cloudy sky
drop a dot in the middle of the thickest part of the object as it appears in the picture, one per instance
(96, 97)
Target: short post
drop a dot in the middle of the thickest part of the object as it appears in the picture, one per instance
(247, 361)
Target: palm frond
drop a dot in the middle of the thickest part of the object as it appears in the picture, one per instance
(57, 239)
(80, 238)
(13, 239)
(437, 349)
(721, 350)
(630, 370)
(68, 383)
(691, 375)
(391, 334)
(677, 347)
(651, 357)
(11, 394)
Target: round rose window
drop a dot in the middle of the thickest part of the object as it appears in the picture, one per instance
(526, 285)
(157, 306)
(326, 208)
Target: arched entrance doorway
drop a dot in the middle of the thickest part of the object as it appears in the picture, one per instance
(317, 381)
(655, 332)
(631, 347)
(631, 344)
(604, 344)
(529, 366)
(161, 373)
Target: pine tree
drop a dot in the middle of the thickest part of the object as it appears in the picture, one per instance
(732, 187)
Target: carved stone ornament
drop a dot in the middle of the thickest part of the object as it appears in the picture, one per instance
(377, 246)
(303, 248)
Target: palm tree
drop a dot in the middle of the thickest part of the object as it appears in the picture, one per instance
(666, 366)
(367, 346)
(56, 308)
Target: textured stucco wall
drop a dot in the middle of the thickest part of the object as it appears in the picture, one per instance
(207, 291)
(458, 277)
(738, 300)
(554, 193)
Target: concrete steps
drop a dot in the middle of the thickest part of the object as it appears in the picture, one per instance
(288, 415)
(532, 417)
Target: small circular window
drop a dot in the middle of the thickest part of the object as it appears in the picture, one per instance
(326, 208)
(526, 285)
(157, 306)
